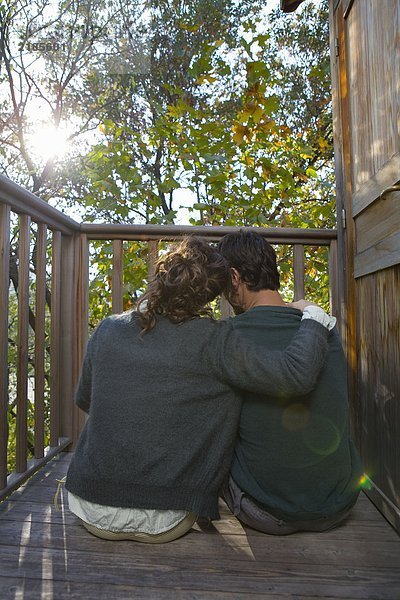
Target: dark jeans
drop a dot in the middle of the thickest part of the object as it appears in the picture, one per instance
(249, 512)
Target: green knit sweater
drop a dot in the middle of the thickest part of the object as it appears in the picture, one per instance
(163, 411)
(295, 456)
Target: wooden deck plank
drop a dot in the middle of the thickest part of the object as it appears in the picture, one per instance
(199, 573)
(297, 549)
(46, 554)
(31, 589)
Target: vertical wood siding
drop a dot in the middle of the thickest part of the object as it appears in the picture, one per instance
(374, 79)
(379, 378)
(366, 77)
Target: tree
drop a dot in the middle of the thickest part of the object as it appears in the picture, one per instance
(247, 130)
(236, 128)
(46, 57)
(209, 96)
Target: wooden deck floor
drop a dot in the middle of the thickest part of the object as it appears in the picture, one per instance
(47, 554)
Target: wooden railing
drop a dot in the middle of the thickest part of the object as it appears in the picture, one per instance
(69, 309)
(29, 208)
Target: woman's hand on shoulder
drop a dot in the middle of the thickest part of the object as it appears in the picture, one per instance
(312, 311)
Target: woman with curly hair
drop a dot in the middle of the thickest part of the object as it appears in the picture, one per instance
(162, 387)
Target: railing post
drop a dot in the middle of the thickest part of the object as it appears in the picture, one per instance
(4, 287)
(81, 310)
(225, 308)
(40, 315)
(23, 332)
(67, 336)
(333, 281)
(298, 271)
(117, 276)
(153, 256)
(55, 339)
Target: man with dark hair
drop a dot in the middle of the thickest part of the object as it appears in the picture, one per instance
(295, 467)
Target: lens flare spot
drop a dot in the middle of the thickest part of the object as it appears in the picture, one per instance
(364, 482)
(322, 436)
(295, 417)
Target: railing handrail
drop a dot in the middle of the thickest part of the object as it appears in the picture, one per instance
(147, 232)
(22, 201)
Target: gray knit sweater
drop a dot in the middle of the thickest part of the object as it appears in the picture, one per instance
(164, 407)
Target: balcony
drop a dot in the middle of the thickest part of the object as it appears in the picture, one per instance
(46, 553)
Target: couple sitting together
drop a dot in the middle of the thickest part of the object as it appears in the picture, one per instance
(184, 409)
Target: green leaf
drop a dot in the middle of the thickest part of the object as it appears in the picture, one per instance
(310, 172)
(214, 158)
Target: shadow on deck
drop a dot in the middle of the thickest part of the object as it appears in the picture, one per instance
(47, 554)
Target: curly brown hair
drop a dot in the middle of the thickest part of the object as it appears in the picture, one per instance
(186, 280)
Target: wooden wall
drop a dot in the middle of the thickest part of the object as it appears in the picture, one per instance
(378, 383)
(372, 36)
(374, 76)
(365, 50)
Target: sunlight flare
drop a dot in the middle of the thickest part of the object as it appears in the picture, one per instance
(47, 141)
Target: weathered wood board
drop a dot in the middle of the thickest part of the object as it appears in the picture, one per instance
(365, 50)
(46, 553)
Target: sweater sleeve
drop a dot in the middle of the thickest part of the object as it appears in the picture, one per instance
(291, 372)
(83, 394)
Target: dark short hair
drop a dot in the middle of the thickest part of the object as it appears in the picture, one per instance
(253, 257)
(187, 278)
